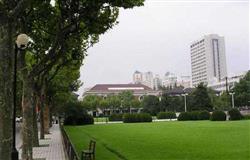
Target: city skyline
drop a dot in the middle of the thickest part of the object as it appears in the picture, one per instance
(157, 38)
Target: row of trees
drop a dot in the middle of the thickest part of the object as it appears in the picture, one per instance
(201, 98)
(60, 31)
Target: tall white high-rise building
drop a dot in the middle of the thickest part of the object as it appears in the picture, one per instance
(208, 59)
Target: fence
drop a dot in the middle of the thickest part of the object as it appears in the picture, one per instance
(69, 148)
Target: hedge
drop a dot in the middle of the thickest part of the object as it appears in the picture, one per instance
(83, 120)
(218, 116)
(166, 115)
(184, 116)
(194, 116)
(246, 117)
(116, 117)
(204, 115)
(140, 117)
(235, 114)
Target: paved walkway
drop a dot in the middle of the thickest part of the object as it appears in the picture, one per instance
(51, 148)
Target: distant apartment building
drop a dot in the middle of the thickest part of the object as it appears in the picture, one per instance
(137, 77)
(184, 81)
(226, 83)
(145, 78)
(208, 59)
(169, 80)
(157, 82)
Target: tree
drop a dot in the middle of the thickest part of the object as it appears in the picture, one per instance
(135, 103)
(91, 102)
(126, 98)
(222, 102)
(151, 104)
(199, 99)
(242, 91)
(68, 27)
(176, 103)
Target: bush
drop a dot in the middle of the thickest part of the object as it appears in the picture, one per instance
(74, 114)
(204, 115)
(133, 118)
(194, 115)
(83, 120)
(184, 116)
(115, 117)
(235, 114)
(246, 117)
(166, 115)
(218, 116)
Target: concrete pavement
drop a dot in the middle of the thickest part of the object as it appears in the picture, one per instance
(51, 148)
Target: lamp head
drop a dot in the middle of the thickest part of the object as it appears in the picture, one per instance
(22, 41)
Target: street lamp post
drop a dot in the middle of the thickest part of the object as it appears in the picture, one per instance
(232, 99)
(160, 103)
(185, 100)
(21, 43)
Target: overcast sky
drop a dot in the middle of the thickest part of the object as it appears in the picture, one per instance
(156, 37)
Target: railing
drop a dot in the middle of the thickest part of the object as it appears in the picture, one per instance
(69, 148)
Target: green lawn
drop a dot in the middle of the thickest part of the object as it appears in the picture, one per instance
(192, 140)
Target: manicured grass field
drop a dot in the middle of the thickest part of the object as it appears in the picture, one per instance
(191, 140)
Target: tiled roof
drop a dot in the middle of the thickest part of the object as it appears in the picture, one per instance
(119, 87)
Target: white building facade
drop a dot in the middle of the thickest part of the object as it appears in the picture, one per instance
(169, 80)
(208, 59)
(145, 78)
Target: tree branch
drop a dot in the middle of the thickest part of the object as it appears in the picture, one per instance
(57, 69)
(20, 7)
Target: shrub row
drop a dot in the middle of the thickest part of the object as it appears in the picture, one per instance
(140, 117)
(166, 115)
(235, 114)
(218, 116)
(246, 117)
(194, 115)
(116, 117)
(83, 120)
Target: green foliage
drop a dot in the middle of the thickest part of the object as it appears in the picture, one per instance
(176, 103)
(135, 103)
(194, 115)
(242, 91)
(91, 102)
(246, 117)
(184, 116)
(116, 117)
(204, 115)
(200, 99)
(74, 114)
(113, 101)
(218, 116)
(222, 102)
(126, 98)
(134, 118)
(104, 103)
(166, 115)
(235, 114)
(151, 104)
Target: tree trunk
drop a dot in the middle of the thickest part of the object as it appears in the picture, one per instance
(6, 96)
(27, 119)
(42, 114)
(50, 118)
(46, 119)
(35, 128)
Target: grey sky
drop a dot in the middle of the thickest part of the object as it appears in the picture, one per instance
(156, 38)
